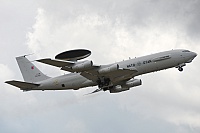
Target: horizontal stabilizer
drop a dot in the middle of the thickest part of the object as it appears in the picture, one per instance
(22, 85)
(57, 63)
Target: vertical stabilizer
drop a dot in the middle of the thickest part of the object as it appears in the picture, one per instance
(29, 71)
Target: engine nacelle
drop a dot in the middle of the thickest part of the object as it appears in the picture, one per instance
(109, 69)
(82, 66)
(118, 88)
(133, 83)
(126, 86)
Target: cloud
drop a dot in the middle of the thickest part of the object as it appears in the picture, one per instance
(7, 73)
(9, 95)
(164, 99)
(76, 126)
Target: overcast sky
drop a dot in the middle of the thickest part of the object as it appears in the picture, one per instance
(168, 101)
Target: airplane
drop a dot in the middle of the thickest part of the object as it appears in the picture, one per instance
(115, 77)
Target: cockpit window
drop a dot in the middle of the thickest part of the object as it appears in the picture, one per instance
(185, 51)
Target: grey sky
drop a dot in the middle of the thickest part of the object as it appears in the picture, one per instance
(168, 101)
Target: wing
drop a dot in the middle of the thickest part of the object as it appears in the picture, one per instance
(70, 65)
(114, 76)
(57, 63)
(64, 65)
(122, 74)
(95, 91)
(93, 72)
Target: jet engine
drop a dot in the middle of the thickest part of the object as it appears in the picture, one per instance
(118, 88)
(109, 69)
(126, 86)
(82, 66)
(133, 83)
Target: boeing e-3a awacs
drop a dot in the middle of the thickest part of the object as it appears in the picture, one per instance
(115, 77)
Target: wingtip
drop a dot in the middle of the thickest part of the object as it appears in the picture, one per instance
(95, 91)
(8, 81)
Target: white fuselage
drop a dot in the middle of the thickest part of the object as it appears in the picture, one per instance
(145, 64)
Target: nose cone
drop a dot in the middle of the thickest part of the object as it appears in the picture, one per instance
(193, 54)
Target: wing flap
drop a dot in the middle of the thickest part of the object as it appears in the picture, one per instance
(22, 85)
(89, 76)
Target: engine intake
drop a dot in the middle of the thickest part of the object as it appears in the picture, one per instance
(109, 69)
(82, 66)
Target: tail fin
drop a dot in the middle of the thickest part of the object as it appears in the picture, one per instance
(29, 71)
